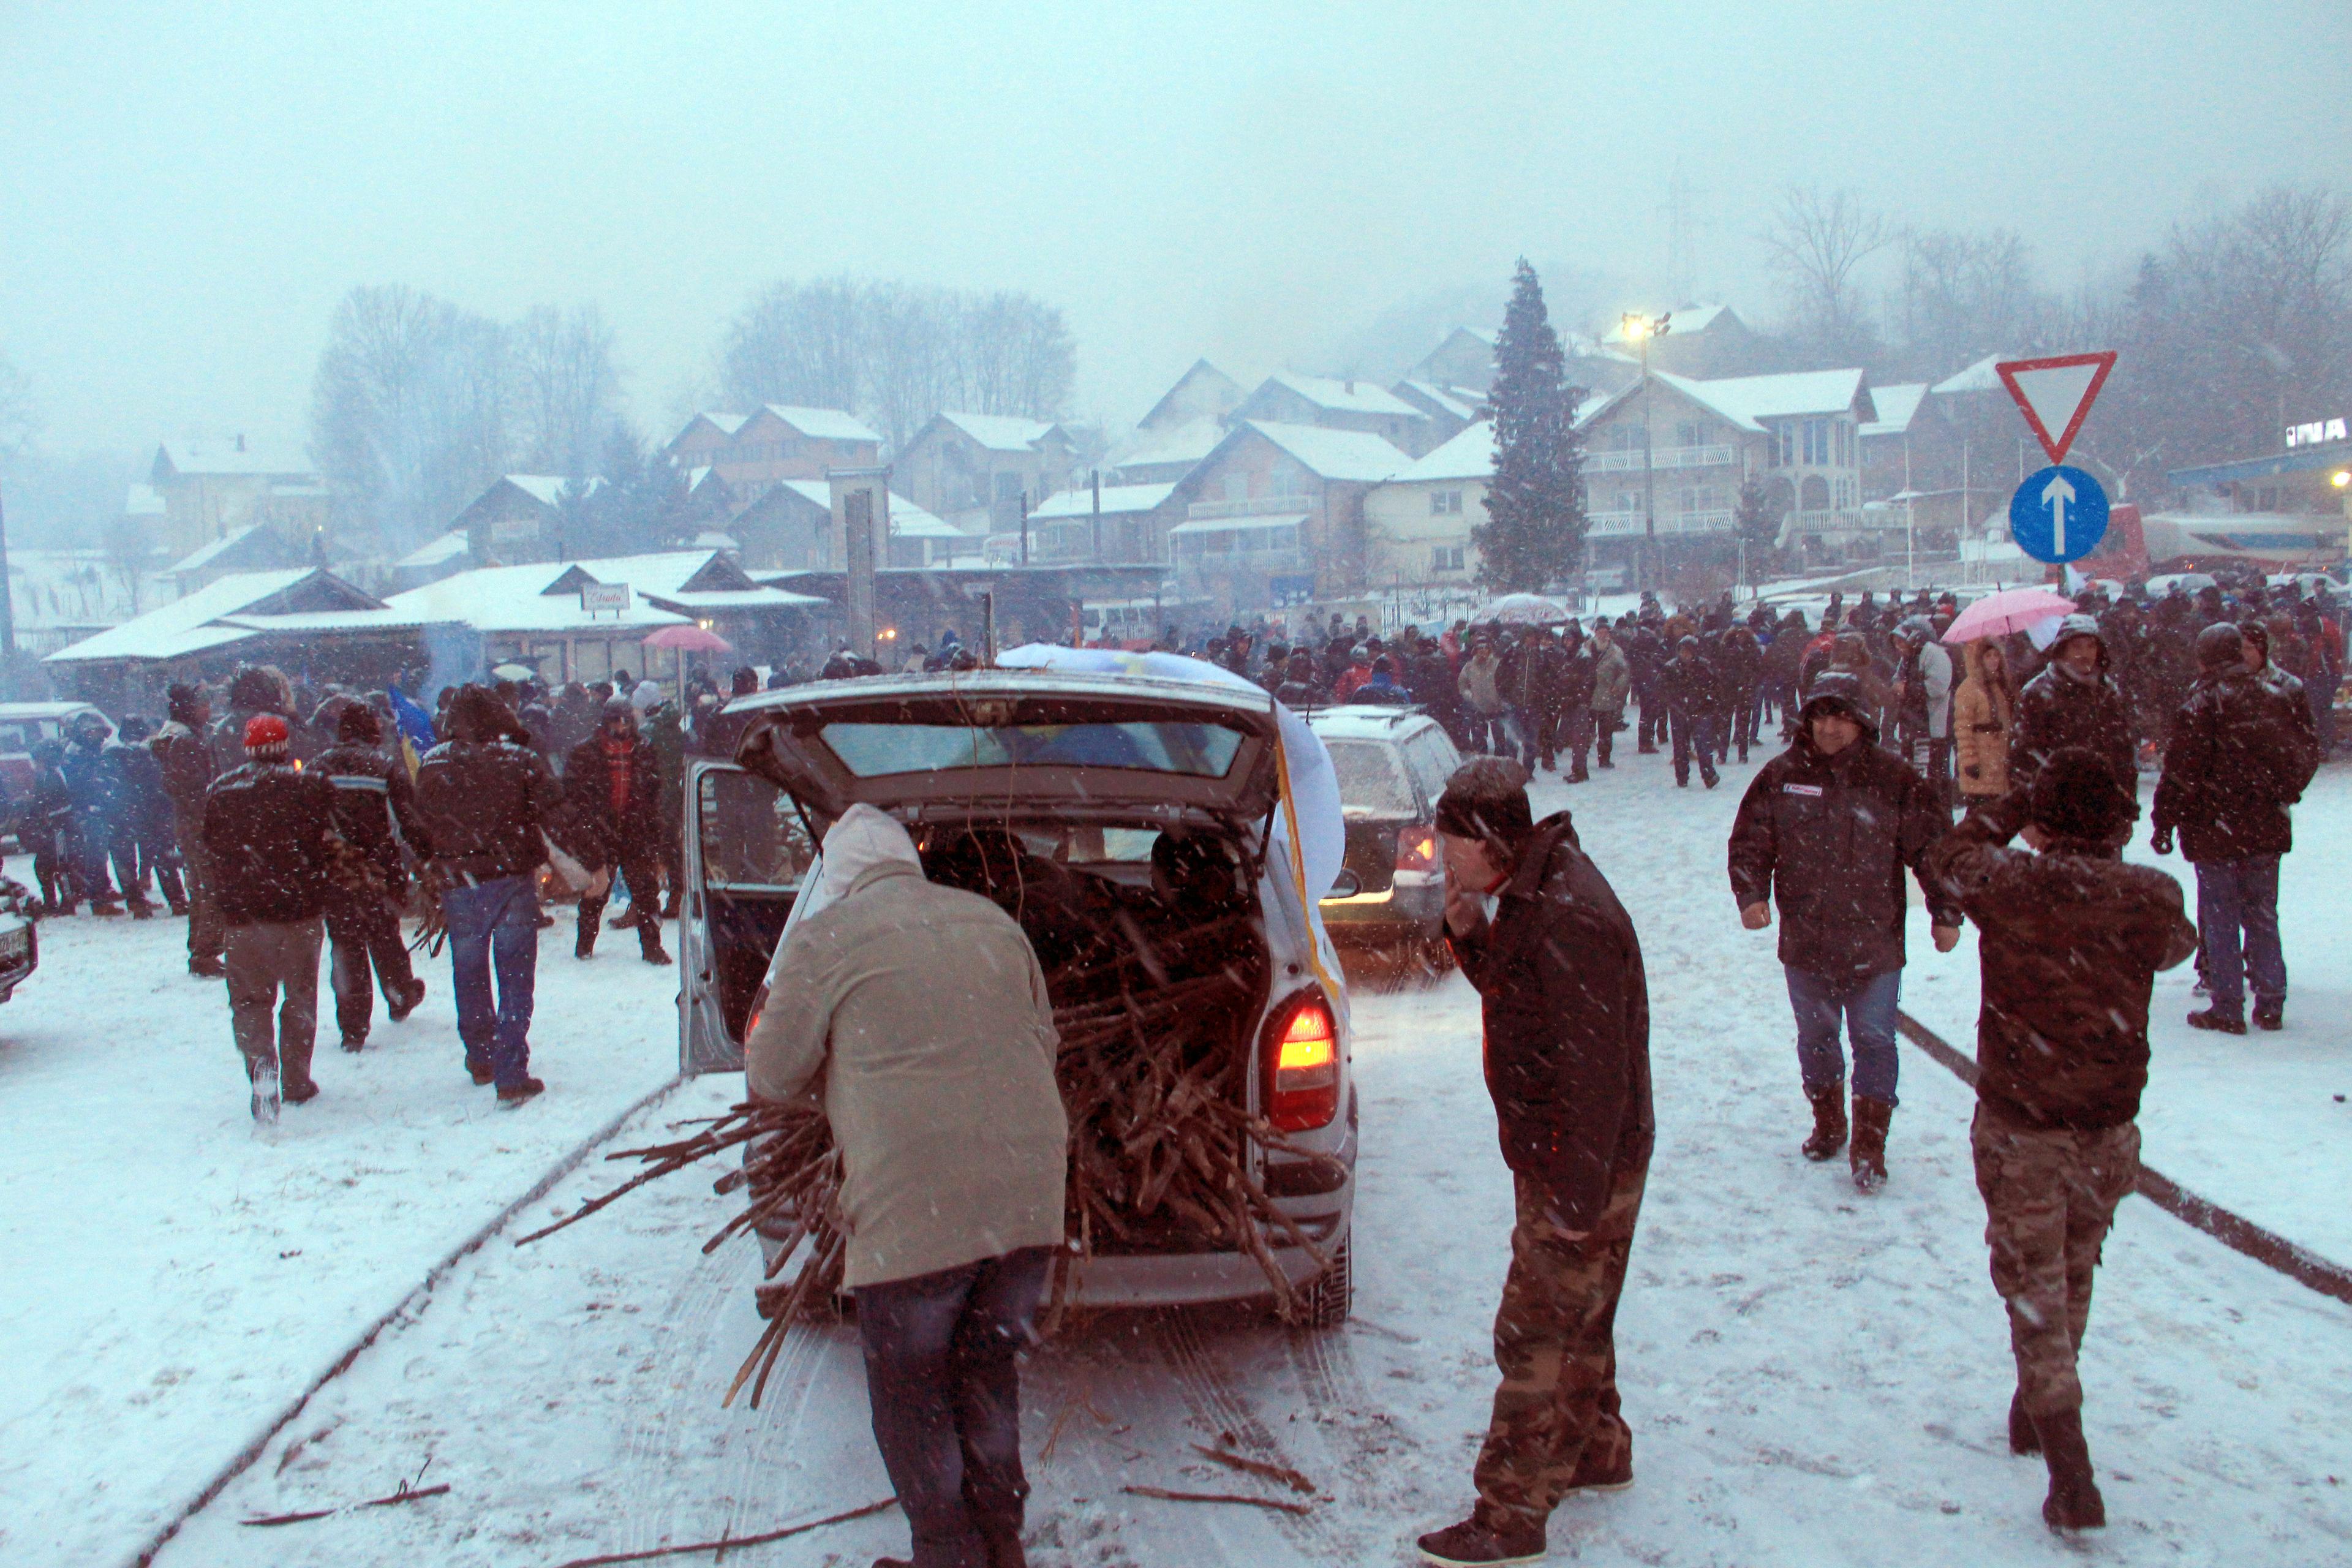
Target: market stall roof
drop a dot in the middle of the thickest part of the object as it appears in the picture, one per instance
(540, 597)
(228, 610)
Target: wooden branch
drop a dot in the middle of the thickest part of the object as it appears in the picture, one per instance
(1166, 1496)
(1258, 1467)
(729, 1543)
(403, 1495)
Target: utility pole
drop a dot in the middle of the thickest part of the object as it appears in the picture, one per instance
(1024, 528)
(1643, 329)
(1094, 479)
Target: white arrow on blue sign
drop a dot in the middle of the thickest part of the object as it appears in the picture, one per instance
(2058, 514)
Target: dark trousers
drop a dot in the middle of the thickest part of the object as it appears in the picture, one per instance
(140, 855)
(942, 1373)
(1576, 738)
(206, 937)
(642, 869)
(53, 864)
(1654, 722)
(266, 963)
(1745, 713)
(1606, 723)
(1694, 732)
(494, 923)
(1557, 1414)
(2238, 926)
(367, 951)
(92, 837)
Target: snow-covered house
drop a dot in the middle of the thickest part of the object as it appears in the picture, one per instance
(210, 488)
(1202, 391)
(1165, 457)
(1335, 404)
(973, 469)
(1707, 341)
(1417, 525)
(1130, 527)
(793, 528)
(1448, 409)
(1274, 515)
(1466, 359)
(773, 442)
(520, 518)
(257, 547)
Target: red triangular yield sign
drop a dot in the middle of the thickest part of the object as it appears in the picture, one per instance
(2054, 393)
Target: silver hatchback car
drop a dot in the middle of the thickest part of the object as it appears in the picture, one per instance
(1130, 812)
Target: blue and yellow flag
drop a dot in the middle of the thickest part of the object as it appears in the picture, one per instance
(416, 728)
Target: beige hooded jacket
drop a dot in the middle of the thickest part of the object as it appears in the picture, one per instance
(916, 1015)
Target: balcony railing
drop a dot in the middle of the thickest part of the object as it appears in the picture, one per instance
(1620, 524)
(1831, 520)
(1253, 506)
(1620, 461)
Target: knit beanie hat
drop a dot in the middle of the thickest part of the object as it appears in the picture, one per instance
(2221, 646)
(2076, 795)
(265, 737)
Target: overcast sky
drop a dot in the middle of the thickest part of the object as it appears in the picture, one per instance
(186, 190)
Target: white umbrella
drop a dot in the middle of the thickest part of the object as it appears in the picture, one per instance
(1520, 610)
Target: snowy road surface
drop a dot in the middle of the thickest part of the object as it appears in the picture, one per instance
(1811, 1377)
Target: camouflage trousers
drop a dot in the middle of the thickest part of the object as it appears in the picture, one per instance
(2050, 1196)
(1557, 1410)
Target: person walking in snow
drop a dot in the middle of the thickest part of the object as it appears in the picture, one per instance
(1613, 686)
(915, 1016)
(1692, 693)
(270, 829)
(48, 826)
(89, 783)
(140, 818)
(487, 804)
(185, 760)
(612, 793)
(2242, 751)
(2074, 702)
(1825, 831)
(2071, 940)
(1558, 967)
(375, 812)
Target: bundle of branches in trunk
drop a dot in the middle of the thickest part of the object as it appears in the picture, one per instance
(1159, 1133)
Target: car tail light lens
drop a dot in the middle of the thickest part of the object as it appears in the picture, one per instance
(1416, 849)
(759, 1005)
(1302, 1065)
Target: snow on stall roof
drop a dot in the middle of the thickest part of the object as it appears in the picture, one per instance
(1898, 407)
(233, 455)
(1469, 456)
(184, 625)
(823, 424)
(515, 599)
(447, 548)
(1334, 454)
(1344, 397)
(1122, 498)
(1001, 432)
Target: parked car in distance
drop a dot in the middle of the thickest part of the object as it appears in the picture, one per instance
(1130, 813)
(1392, 764)
(20, 941)
(21, 725)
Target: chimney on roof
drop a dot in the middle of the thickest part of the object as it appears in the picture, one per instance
(240, 440)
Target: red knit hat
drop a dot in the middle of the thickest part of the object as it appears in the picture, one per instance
(264, 736)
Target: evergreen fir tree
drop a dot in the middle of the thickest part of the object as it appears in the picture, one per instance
(1752, 519)
(1533, 531)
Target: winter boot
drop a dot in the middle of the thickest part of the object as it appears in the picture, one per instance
(302, 1093)
(649, 943)
(142, 909)
(355, 1044)
(2073, 1502)
(623, 921)
(408, 1001)
(1829, 1123)
(208, 968)
(513, 1094)
(1867, 1156)
(586, 946)
(2270, 1014)
(1487, 1537)
(265, 1094)
(104, 907)
(1616, 1475)
(2022, 1437)
(2218, 1022)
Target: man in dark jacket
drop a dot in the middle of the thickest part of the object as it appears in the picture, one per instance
(1572, 705)
(2242, 751)
(1527, 678)
(271, 827)
(89, 783)
(372, 793)
(48, 826)
(1566, 1008)
(486, 804)
(612, 796)
(184, 761)
(140, 820)
(2074, 703)
(2072, 939)
(1692, 693)
(1825, 831)
(1645, 652)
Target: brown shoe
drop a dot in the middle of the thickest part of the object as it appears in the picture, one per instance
(2073, 1502)
(1867, 1157)
(1829, 1123)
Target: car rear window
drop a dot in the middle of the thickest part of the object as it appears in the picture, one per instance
(877, 751)
(1371, 778)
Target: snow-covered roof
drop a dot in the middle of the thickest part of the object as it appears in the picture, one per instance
(1001, 432)
(907, 521)
(1898, 407)
(440, 552)
(56, 590)
(1116, 499)
(823, 424)
(143, 501)
(1252, 523)
(1187, 444)
(1979, 377)
(1334, 454)
(197, 560)
(1687, 320)
(725, 424)
(1343, 396)
(1746, 401)
(515, 599)
(1453, 400)
(545, 489)
(235, 455)
(185, 625)
(1469, 456)
(712, 539)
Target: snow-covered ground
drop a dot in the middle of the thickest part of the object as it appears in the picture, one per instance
(1813, 1377)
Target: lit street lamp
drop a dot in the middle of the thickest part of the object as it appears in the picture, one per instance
(1641, 329)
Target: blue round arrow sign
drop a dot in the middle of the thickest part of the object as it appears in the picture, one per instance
(2058, 514)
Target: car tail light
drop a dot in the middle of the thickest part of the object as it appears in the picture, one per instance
(759, 1005)
(1302, 1065)
(1416, 849)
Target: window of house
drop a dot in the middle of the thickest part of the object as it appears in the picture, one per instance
(1690, 501)
(1445, 558)
(1445, 503)
(1626, 438)
(1690, 433)
(1008, 489)
(1781, 444)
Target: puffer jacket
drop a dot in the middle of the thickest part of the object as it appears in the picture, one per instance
(1691, 687)
(268, 825)
(373, 795)
(2071, 942)
(2243, 750)
(186, 764)
(485, 801)
(1827, 839)
(1983, 716)
(2055, 712)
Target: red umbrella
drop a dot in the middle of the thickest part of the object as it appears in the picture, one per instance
(689, 638)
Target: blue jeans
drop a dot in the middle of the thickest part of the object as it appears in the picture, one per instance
(498, 919)
(943, 1377)
(1867, 1003)
(2237, 917)
(1694, 732)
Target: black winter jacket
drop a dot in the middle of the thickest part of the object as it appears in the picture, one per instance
(1691, 689)
(1826, 838)
(136, 786)
(373, 793)
(604, 839)
(185, 762)
(267, 826)
(2055, 711)
(1567, 1014)
(2243, 750)
(483, 805)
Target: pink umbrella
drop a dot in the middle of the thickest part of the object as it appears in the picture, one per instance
(689, 638)
(2011, 610)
